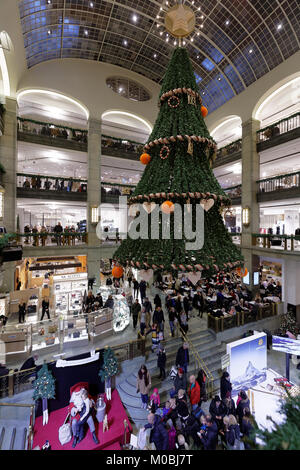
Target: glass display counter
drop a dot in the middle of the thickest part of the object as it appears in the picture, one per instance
(121, 312)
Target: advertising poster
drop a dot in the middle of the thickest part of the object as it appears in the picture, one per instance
(286, 345)
(248, 362)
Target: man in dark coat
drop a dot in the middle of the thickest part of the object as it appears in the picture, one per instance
(225, 385)
(158, 435)
(143, 287)
(217, 411)
(136, 309)
(158, 318)
(182, 357)
(209, 437)
(161, 362)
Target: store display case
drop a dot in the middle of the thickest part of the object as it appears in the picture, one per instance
(121, 312)
(69, 290)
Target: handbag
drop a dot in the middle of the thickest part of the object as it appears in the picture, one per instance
(76, 334)
(52, 329)
(65, 431)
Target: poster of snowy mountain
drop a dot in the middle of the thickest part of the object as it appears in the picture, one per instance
(248, 362)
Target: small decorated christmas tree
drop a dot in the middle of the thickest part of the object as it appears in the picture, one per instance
(44, 388)
(109, 369)
(284, 436)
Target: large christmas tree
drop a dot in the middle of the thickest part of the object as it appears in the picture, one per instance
(181, 153)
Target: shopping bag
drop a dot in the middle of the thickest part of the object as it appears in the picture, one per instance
(141, 444)
(65, 431)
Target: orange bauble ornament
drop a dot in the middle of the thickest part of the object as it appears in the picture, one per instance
(204, 111)
(117, 272)
(167, 207)
(241, 273)
(145, 158)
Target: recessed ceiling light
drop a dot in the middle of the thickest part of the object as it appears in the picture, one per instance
(91, 4)
(197, 57)
(219, 78)
(154, 55)
(201, 17)
(86, 32)
(279, 27)
(49, 1)
(167, 39)
(192, 39)
(201, 26)
(49, 31)
(250, 51)
(227, 22)
(161, 33)
(175, 43)
(134, 18)
(125, 42)
(184, 43)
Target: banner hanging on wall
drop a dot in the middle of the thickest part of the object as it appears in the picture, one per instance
(248, 362)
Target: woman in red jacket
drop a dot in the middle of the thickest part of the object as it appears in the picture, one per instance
(194, 392)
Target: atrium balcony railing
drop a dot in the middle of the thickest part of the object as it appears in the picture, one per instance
(42, 239)
(234, 192)
(29, 182)
(63, 136)
(229, 153)
(279, 183)
(110, 192)
(279, 242)
(279, 128)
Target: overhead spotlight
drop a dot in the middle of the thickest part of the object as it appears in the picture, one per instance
(86, 32)
(92, 4)
(157, 25)
(192, 39)
(250, 51)
(161, 33)
(201, 17)
(197, 57)
(49, 31)
(198, 34)
(167, 39)
(184, 43)
(49, 2)
(125, 42)
(201, 26)
(175, 43)
(279, 27)
(219, 78)
(198, 8)
(134, 18)
(154, 55)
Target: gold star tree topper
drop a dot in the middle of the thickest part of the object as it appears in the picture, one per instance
(180, 21)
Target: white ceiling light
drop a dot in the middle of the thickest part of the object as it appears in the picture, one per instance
(54, 95)
(125, 42)
(250, 51)
(134, 18)
(227, 22)
(91, 4)
(154, 55)
(279, 27)
(271, 96)
(86, 32)
(124, 113)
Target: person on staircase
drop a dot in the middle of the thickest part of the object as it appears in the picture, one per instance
(182, 357)
(143, 385)
(136, 309)
(161, 362)
(158, 317)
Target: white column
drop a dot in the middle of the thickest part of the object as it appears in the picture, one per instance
(250, 174)
(94, 197)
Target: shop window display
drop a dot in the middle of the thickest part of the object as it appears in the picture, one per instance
(120, 309)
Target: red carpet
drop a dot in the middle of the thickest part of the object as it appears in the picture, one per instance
(109, 440)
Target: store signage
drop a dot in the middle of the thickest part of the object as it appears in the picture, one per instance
(69, 277)
(286, 345)
(225, 361)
